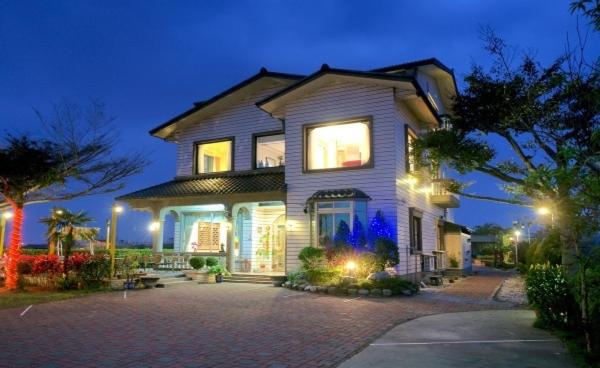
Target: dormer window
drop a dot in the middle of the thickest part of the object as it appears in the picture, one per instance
(214, 156)
(269, 150)
(338, 145)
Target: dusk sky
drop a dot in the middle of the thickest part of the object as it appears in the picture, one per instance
(150, 60)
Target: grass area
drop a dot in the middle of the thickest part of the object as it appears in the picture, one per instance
(25, 298)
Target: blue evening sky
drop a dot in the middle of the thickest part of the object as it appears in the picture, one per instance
(149, 60)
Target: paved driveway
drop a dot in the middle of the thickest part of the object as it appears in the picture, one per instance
(226, 325)
(500, 338)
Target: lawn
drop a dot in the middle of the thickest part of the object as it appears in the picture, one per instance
(25, 298)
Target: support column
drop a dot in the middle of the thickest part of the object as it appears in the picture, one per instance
(157, 234)
(229, 250)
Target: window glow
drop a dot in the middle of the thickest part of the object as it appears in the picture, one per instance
(342, 145)
(331, 214)
(270, 151)
(214, 157)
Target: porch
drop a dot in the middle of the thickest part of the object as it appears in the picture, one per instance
(239, 218)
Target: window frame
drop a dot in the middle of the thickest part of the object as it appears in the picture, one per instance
(255, 137)
(350, 210)
(408, 131)
(415, 213)
(208, 141)
(306, 127)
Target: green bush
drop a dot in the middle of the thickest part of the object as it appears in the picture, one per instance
(396, 285)
(367, 264)
(296, 275)
(453, 262)
(366, 285)
(386, 253)
(197, 262)
(212, 261)
(323, 276)
(548, 293)
(93, 270)
(218, 268)
(311, 258)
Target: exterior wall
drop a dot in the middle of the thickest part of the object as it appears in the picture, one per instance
(458, 246)
(339, 101)
(240, 121)
(411, 196)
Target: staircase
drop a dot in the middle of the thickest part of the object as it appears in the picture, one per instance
(172, 279)
(245, 278)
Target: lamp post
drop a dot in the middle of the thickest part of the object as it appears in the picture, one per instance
(116, 210)
(545, 211)
(517, 234)
(5, 216)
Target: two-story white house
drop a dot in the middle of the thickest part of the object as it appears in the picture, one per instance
(276, 162)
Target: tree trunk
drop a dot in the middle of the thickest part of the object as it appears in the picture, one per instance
(51, 247)
(14, 253)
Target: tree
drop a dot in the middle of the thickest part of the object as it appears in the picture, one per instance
(379, 228)
(75, 159)
(549, 118)
(358, 238)
(589, 8)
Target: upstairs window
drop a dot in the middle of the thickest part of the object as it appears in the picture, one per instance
(269, 150)
(343, 145)
(214, 156)
(411, 160)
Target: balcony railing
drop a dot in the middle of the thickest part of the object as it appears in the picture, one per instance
(442, 197)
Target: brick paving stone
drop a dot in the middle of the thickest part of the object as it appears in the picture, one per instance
(231, 325)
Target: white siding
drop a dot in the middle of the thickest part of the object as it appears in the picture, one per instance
(410, 196)
(338, 102)
(240, 121)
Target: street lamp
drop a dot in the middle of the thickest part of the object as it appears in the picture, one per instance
(116, 210)
(545, 211)
(5, 216)
(154, 225)
(517, 234)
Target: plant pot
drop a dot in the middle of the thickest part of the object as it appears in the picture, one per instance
(149, 281)
(129, 285)
(219, 278)
(205, 278)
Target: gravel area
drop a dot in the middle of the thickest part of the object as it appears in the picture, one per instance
(513, 291)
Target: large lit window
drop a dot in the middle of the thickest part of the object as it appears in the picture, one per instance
(411, 161)
(330, 215)
(342, 145)
(214, 156)
(270, 150)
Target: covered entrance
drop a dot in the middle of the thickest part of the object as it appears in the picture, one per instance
(237, 217)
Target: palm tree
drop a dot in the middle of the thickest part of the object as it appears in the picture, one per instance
(61, 226)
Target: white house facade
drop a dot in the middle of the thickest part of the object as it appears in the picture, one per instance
(277, 162)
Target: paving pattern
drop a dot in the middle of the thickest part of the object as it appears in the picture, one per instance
(225, 325)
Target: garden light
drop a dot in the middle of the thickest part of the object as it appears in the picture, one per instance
(351, 265)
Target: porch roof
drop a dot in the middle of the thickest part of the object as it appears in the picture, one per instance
(253, 181)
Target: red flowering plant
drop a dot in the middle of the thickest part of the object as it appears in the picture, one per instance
(76, 261)
(46, 265)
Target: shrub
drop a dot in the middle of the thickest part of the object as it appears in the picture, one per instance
(93, 270)
(396, 285)
(76, 260)
(296, 275)
(323, 276)
(367, 264)
(342, 236)
(386, 253)
(379, 228)
(46, 265)
(211, 261)
(311, 258)
(358, 238)
(548, 293)
(25, 265)
(218, 268)
(197, 262)
(365, 285)
(453, 262)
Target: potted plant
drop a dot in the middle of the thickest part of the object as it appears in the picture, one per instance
(197, 264)
(218, 270)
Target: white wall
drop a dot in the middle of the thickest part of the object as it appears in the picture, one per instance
(240, 120)
(340, 101)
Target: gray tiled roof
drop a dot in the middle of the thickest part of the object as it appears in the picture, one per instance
(330, 194)
(214, 184)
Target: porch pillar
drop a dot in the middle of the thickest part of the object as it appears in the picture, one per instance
(229, 250)
(157, 235)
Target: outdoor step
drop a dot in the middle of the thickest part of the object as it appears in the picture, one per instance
(252, 277)
(246, 281)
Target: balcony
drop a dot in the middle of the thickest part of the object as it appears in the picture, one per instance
(441, 197)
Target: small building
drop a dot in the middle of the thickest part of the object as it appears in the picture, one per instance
(457, 239)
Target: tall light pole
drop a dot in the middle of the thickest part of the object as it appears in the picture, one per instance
(5, 216)
(517, 234)
(116, 210)
(545, 211)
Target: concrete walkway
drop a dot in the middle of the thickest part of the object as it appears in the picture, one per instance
(495, 338)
